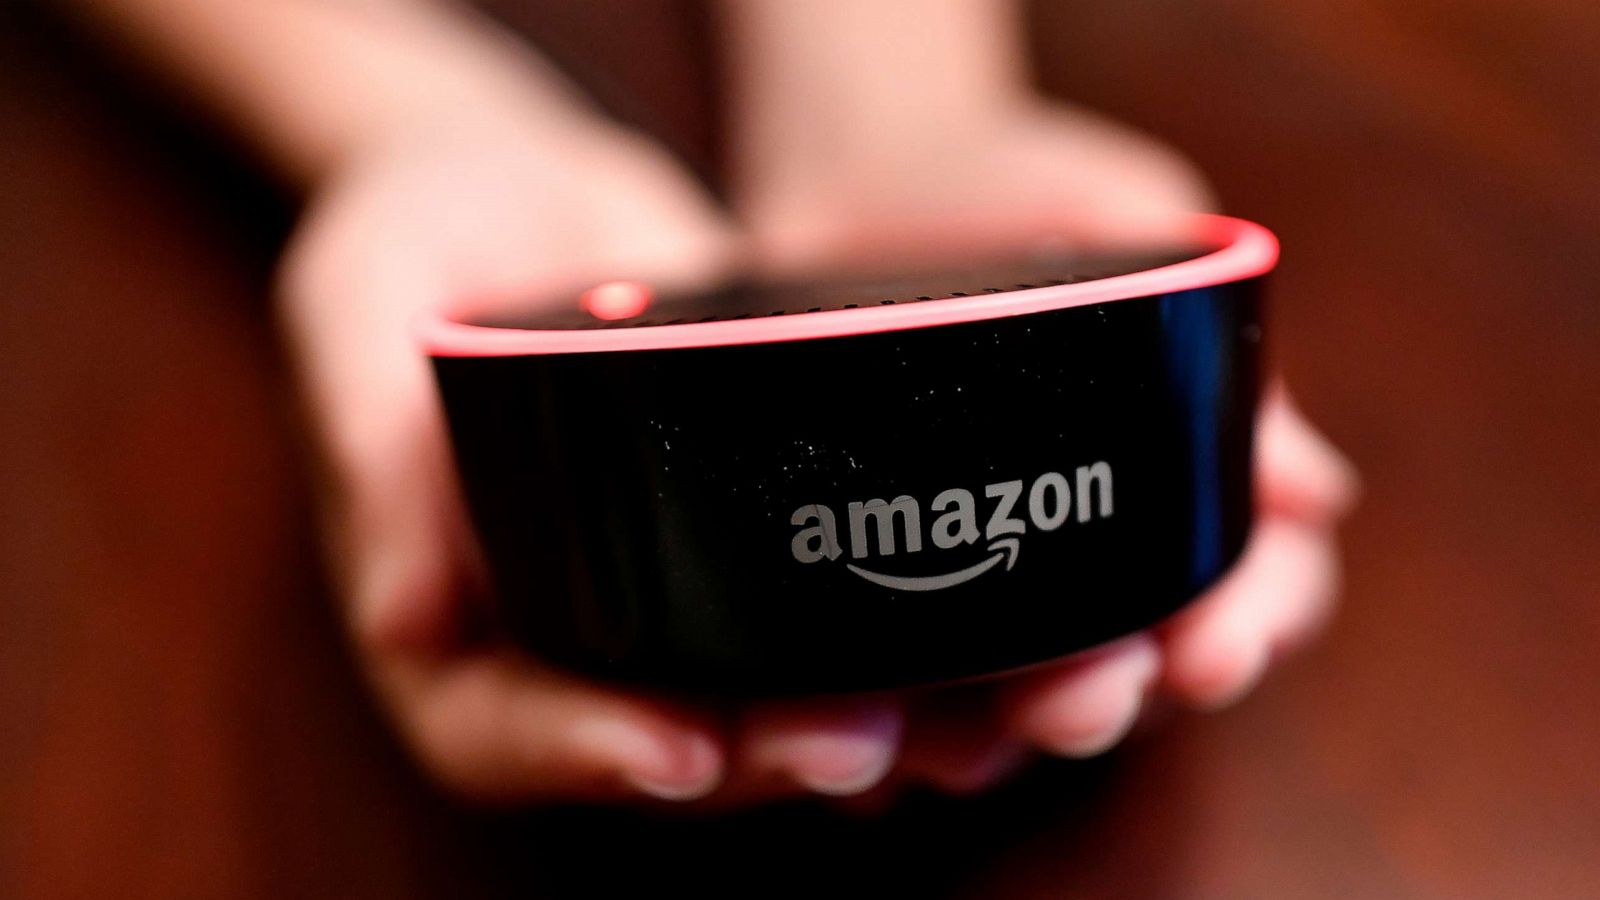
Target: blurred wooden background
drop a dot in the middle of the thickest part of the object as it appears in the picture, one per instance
(178, 718)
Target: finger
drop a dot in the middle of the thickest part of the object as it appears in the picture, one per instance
(956, 742)
(499, 727)
(836, 746)
(1085, 706)
(1117, 186)
(1299, 473)
(412, 570)
(1278, 593)
(491, 723)
(393, 520)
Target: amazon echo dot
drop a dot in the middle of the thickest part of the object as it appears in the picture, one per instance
(862, 482)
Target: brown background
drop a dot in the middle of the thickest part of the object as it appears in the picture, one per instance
(177, 717)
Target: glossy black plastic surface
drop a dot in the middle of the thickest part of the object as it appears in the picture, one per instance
(758, 299)
(658, 516)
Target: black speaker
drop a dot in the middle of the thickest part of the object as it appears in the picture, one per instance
(861, 482)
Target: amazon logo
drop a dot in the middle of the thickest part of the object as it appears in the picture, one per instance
(879, 528)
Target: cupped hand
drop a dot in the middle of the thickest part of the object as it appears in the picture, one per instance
(1046, 169)
(499, 203)
(494, 203)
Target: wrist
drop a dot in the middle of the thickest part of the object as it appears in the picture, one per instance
(821, 94)
(441, 77)
(853, 155)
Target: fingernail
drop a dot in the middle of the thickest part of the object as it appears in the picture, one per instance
(1132, 672)
(686, 768)
(693, 775)
(1252, 659)
(854, 766)
(846, 762)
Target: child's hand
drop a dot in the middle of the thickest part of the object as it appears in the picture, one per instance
(495, 205)
(1063, 171)
(445, 159)
(1030, 167)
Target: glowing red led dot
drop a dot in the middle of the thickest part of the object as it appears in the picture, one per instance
(616, 299)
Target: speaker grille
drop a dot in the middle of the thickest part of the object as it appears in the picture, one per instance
(750, 299)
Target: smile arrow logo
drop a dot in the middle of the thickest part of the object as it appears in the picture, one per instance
(1003, 548)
